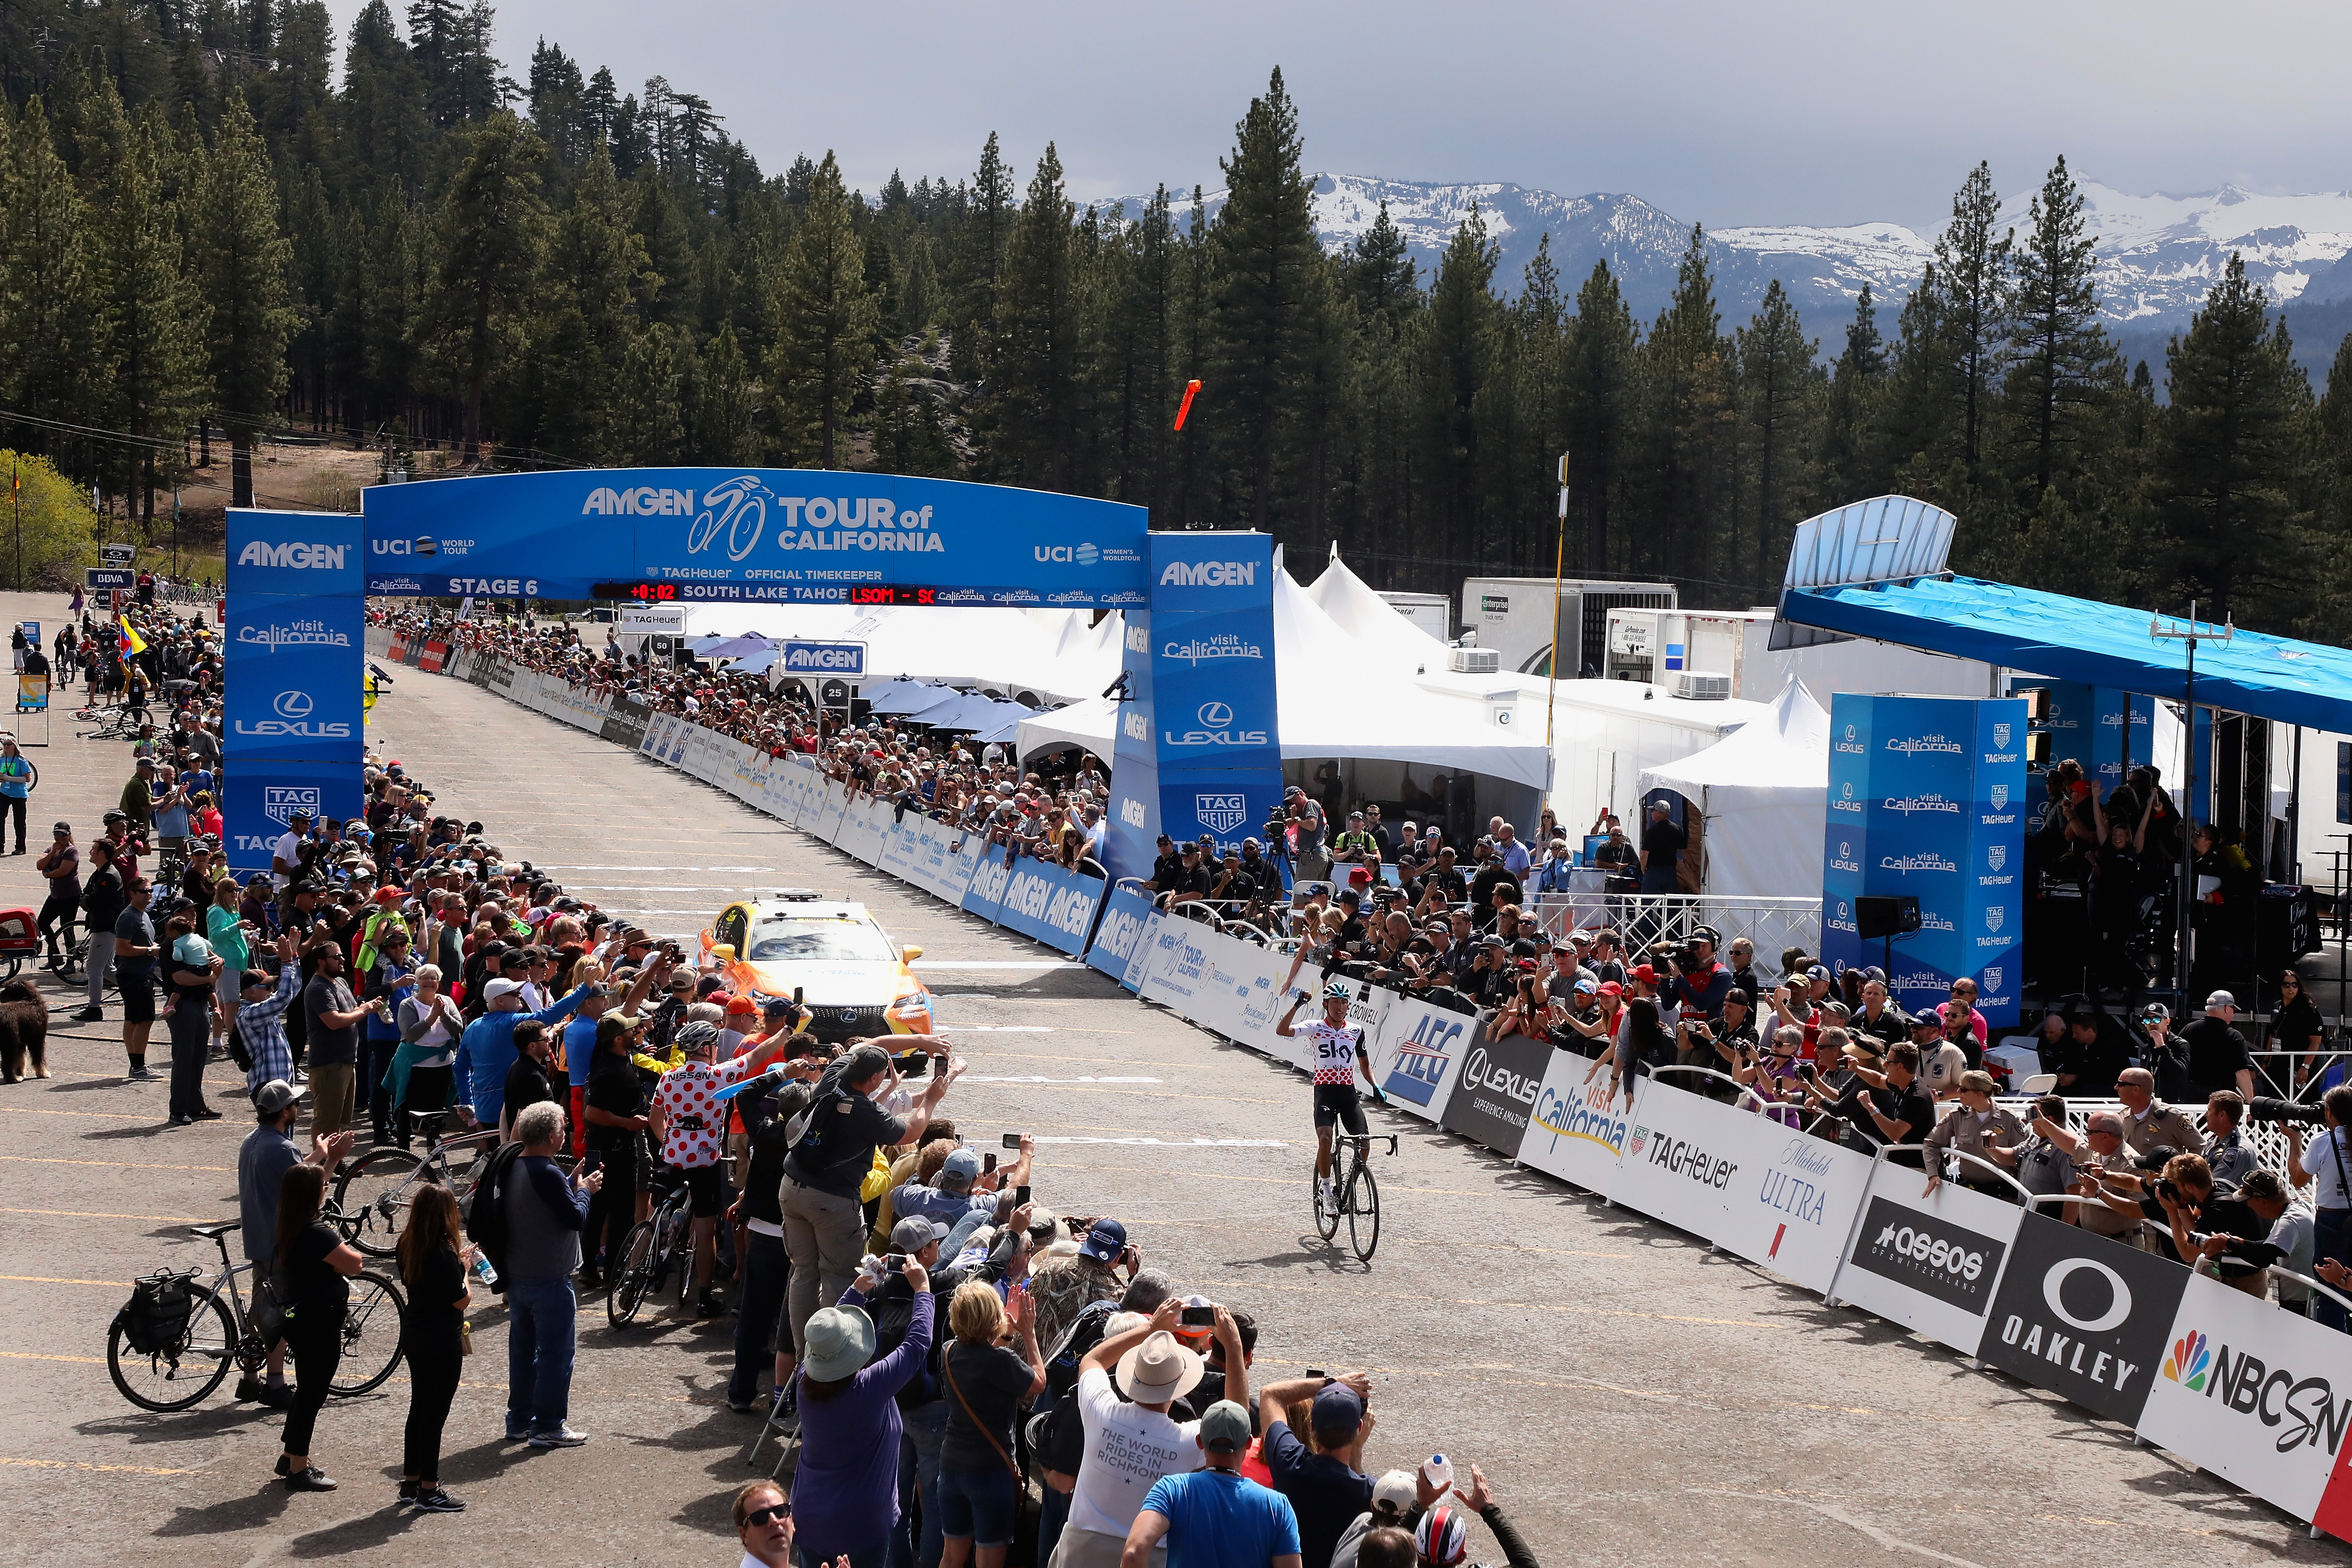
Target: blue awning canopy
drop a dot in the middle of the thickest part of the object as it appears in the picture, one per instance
(2081, 639)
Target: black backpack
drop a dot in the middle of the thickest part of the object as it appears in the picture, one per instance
(486, 1221)
(155, 1318)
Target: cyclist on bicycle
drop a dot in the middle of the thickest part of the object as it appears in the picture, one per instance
(689, 1119)
(1340, 1056)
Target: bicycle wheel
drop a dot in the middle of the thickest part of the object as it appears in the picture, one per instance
(1363, 1206)
(374, 1193)
(372, 1325)
(681, 1257)
(1326, 1215)
(177, 1378)
(632, 1277)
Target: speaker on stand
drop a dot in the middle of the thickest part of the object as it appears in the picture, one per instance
(1885, 917)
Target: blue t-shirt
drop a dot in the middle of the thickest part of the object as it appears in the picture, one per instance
(1219, 1520)
(579, 1049)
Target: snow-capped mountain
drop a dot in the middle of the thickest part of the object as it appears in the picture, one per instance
(2157, 254)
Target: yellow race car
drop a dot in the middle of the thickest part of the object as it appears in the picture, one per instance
(831, 956)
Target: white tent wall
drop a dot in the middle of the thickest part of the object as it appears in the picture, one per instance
(1763, 791)
(1606, 733)
(1859, 664)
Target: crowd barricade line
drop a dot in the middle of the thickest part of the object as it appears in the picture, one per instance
(2258, 1396)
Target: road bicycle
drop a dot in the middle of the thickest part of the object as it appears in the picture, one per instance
(377, 1189)
(218, 1335)
(651, 1249)
(1355, 1195)
(122, 722)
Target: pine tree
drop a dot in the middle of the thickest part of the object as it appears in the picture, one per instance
(821, 328)
(487, 236)
(980, 263)
(1852, 439)
(1264, 248)
(1032, 415)
(649, 412)
(241, 267)
(153, 321)
(1596, 393)
(1972, 272)
(1777, 377)
(2059, 362)
(918, 296)
(1457, 354)
(2231, 474)
(1382, 275)
(1687, 416)
(50, 301)
(1143, 354)
(720, 428)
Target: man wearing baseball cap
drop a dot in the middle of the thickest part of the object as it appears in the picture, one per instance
(1324, 1487)
(1063, 1288)
(1211, 1516)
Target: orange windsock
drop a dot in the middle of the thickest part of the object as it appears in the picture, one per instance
(1186, 407)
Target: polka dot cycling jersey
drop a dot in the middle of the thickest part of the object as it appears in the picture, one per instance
(1335, 1052)
(692, 1120)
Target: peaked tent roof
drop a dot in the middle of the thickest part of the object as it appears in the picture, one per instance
(1362, 614)
(1763, 790)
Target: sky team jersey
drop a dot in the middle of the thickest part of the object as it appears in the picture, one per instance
(1335, 1052)
(691, 1119)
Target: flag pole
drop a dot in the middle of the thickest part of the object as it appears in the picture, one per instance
(1558, 573)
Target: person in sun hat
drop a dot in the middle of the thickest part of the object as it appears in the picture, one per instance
(845, 1489)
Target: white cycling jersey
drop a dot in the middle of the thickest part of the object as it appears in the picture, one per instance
(1334, 1052)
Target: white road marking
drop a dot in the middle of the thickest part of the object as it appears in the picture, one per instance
(1030, 963)
(945, 1028)
(970, 1078)
(1182, 1142)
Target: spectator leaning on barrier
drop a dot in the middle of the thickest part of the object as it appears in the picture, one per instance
(1976, 1126)
(2044, 1168)
(2326, 1169)
(1883, 1108)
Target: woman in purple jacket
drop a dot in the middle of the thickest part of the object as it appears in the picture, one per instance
(845, 1491)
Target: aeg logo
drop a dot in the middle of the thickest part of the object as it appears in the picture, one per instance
(1421, 1061)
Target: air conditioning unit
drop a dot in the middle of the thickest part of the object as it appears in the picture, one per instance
(1474, 660)
(1703, 686)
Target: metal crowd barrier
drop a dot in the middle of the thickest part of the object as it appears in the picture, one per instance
(1773, 925)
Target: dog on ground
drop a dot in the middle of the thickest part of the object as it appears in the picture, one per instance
(24, 1031)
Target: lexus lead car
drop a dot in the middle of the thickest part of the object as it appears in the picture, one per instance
(833, 957)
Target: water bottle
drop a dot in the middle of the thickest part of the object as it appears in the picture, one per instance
(1439, 1473)
(483, 1272)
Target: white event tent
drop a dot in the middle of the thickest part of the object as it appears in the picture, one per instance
(1763, 791)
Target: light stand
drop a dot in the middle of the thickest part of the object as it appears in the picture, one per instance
(2159, 632)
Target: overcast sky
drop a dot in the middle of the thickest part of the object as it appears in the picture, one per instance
(1724, 111)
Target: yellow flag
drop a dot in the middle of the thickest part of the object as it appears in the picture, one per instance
(131, 641)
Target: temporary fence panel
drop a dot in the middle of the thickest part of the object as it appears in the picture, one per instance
(1930, 1263)
(1417, 1053)
(1497, 1091)
(1147, 944)
(1683, 1155)
(874, 820)
(985, 893)
(945, 859)
(1051, 905)
(436, 656)
(1577, 1132)
(2258, 1396)
(901, 847)
(1791, 1202)
(2084, 1317)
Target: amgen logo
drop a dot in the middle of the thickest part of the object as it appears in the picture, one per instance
(1209, 575)
(294, 554)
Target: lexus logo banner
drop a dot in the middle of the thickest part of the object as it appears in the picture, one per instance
(2083, 1316)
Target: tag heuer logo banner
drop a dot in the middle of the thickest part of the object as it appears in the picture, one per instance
(1222, 813)
(280, 805)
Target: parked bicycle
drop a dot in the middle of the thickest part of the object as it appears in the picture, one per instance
(1355, 1195)
(122, 722)
(377, 1189)
(651, 1249)
(178, 1337)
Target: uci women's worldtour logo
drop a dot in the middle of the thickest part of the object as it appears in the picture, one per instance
(736, 513)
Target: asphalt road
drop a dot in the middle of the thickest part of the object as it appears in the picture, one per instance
(1631, 1397)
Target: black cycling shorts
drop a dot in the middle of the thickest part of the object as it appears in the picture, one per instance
(1339, 1102)
(705, 1191)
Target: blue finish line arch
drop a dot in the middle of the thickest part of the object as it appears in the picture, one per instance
(1198, 748)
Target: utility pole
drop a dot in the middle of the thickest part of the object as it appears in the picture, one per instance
(2188, 633)
(17, 490)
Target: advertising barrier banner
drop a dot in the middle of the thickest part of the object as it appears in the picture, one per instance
(1929, 1263)
(1043, 901)
(945, 860)
(1500, 1081)
(1793, 1200)
(1147, 946)
(2083, 1316)
(900, 849)
(1683, 1155)
(1417, 1054)
(262, 795)
(2258, 1396)
(1576, 1133)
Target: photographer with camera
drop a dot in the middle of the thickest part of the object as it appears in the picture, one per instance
(2329, 1174)
(1880, 1108)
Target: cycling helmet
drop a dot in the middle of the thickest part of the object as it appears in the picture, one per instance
(698, 1036)
(1442, 1538)
(1338, 991)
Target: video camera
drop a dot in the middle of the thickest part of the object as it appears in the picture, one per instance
(2270, 1108)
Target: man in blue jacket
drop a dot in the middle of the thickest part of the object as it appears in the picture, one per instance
(487, 1049)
